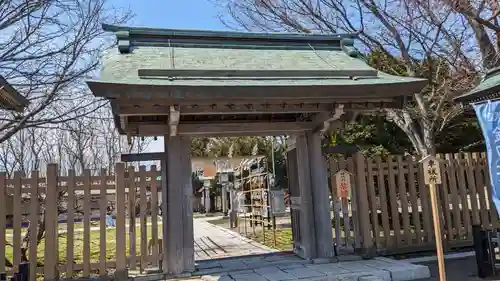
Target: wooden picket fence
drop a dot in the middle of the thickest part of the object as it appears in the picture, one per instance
(399, 203)
(80, 249)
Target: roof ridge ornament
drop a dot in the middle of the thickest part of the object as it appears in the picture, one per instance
(123, 40)
(347, 45)
(491, 73)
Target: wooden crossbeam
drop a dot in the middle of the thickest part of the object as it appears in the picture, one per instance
(223, 129)
(147, 156)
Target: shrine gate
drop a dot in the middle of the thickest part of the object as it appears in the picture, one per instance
(182, 84)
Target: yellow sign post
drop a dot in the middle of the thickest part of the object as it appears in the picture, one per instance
(432, 177)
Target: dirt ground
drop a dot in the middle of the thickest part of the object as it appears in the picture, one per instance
(456, 270)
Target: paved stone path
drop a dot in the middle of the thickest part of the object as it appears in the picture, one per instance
(223, 255)
(214, 242)
(280, 267)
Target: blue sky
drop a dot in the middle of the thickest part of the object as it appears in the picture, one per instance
(182, 14)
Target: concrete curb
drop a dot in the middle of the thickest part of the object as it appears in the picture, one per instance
(243, 238)
(446, 257)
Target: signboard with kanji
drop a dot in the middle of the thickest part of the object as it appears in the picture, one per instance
(343, 184)
(432, 173)
(432, 177)
(278, 202)
(224, 177)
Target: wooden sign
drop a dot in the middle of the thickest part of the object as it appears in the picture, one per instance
(432, 172)
(295, 202)
(432, 177)
(277, 202)
(224, 177)
(343, 184)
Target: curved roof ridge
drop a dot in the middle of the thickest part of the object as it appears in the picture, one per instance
(229, 34)
(142, 36)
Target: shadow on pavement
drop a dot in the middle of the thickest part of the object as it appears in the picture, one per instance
(456, 270)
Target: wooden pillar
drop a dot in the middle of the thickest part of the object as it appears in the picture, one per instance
(187, 208)
(320, 197)
(206, 198)
(361, 197)
(50, 269)
(178, 243)
(307, 225)
(174, 206)
(164, 212)
(224, 200)
(233, 211)
(121, 272)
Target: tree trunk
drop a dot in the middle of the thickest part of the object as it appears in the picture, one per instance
(422, 135)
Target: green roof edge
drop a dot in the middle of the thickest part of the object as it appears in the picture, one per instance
(14, 94)
(228, 34)
(487, 89)
(143, 36)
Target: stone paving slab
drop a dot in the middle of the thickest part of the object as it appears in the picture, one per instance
(378, 269)
(328, 269)
(215, 242)
(223, 255)
(249, 277)
(286, 260)
(305, 272)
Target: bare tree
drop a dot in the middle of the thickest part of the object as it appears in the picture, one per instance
(80, 141)
(79, 144)
(47, 50)
(446, 41)
(482, 17)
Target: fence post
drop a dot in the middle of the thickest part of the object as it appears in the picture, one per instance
(121, 259)
(51, 219)
(3, 213)
(16, 220)
(87, 182)
(33, 226)
(361, 197)
(70, 223)
(154, 216)
(103, 204)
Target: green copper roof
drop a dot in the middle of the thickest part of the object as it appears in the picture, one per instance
(135, 65)
(10, 98)
(488, 89)
(148, 60)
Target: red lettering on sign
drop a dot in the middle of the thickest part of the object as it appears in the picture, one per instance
(344, 190)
